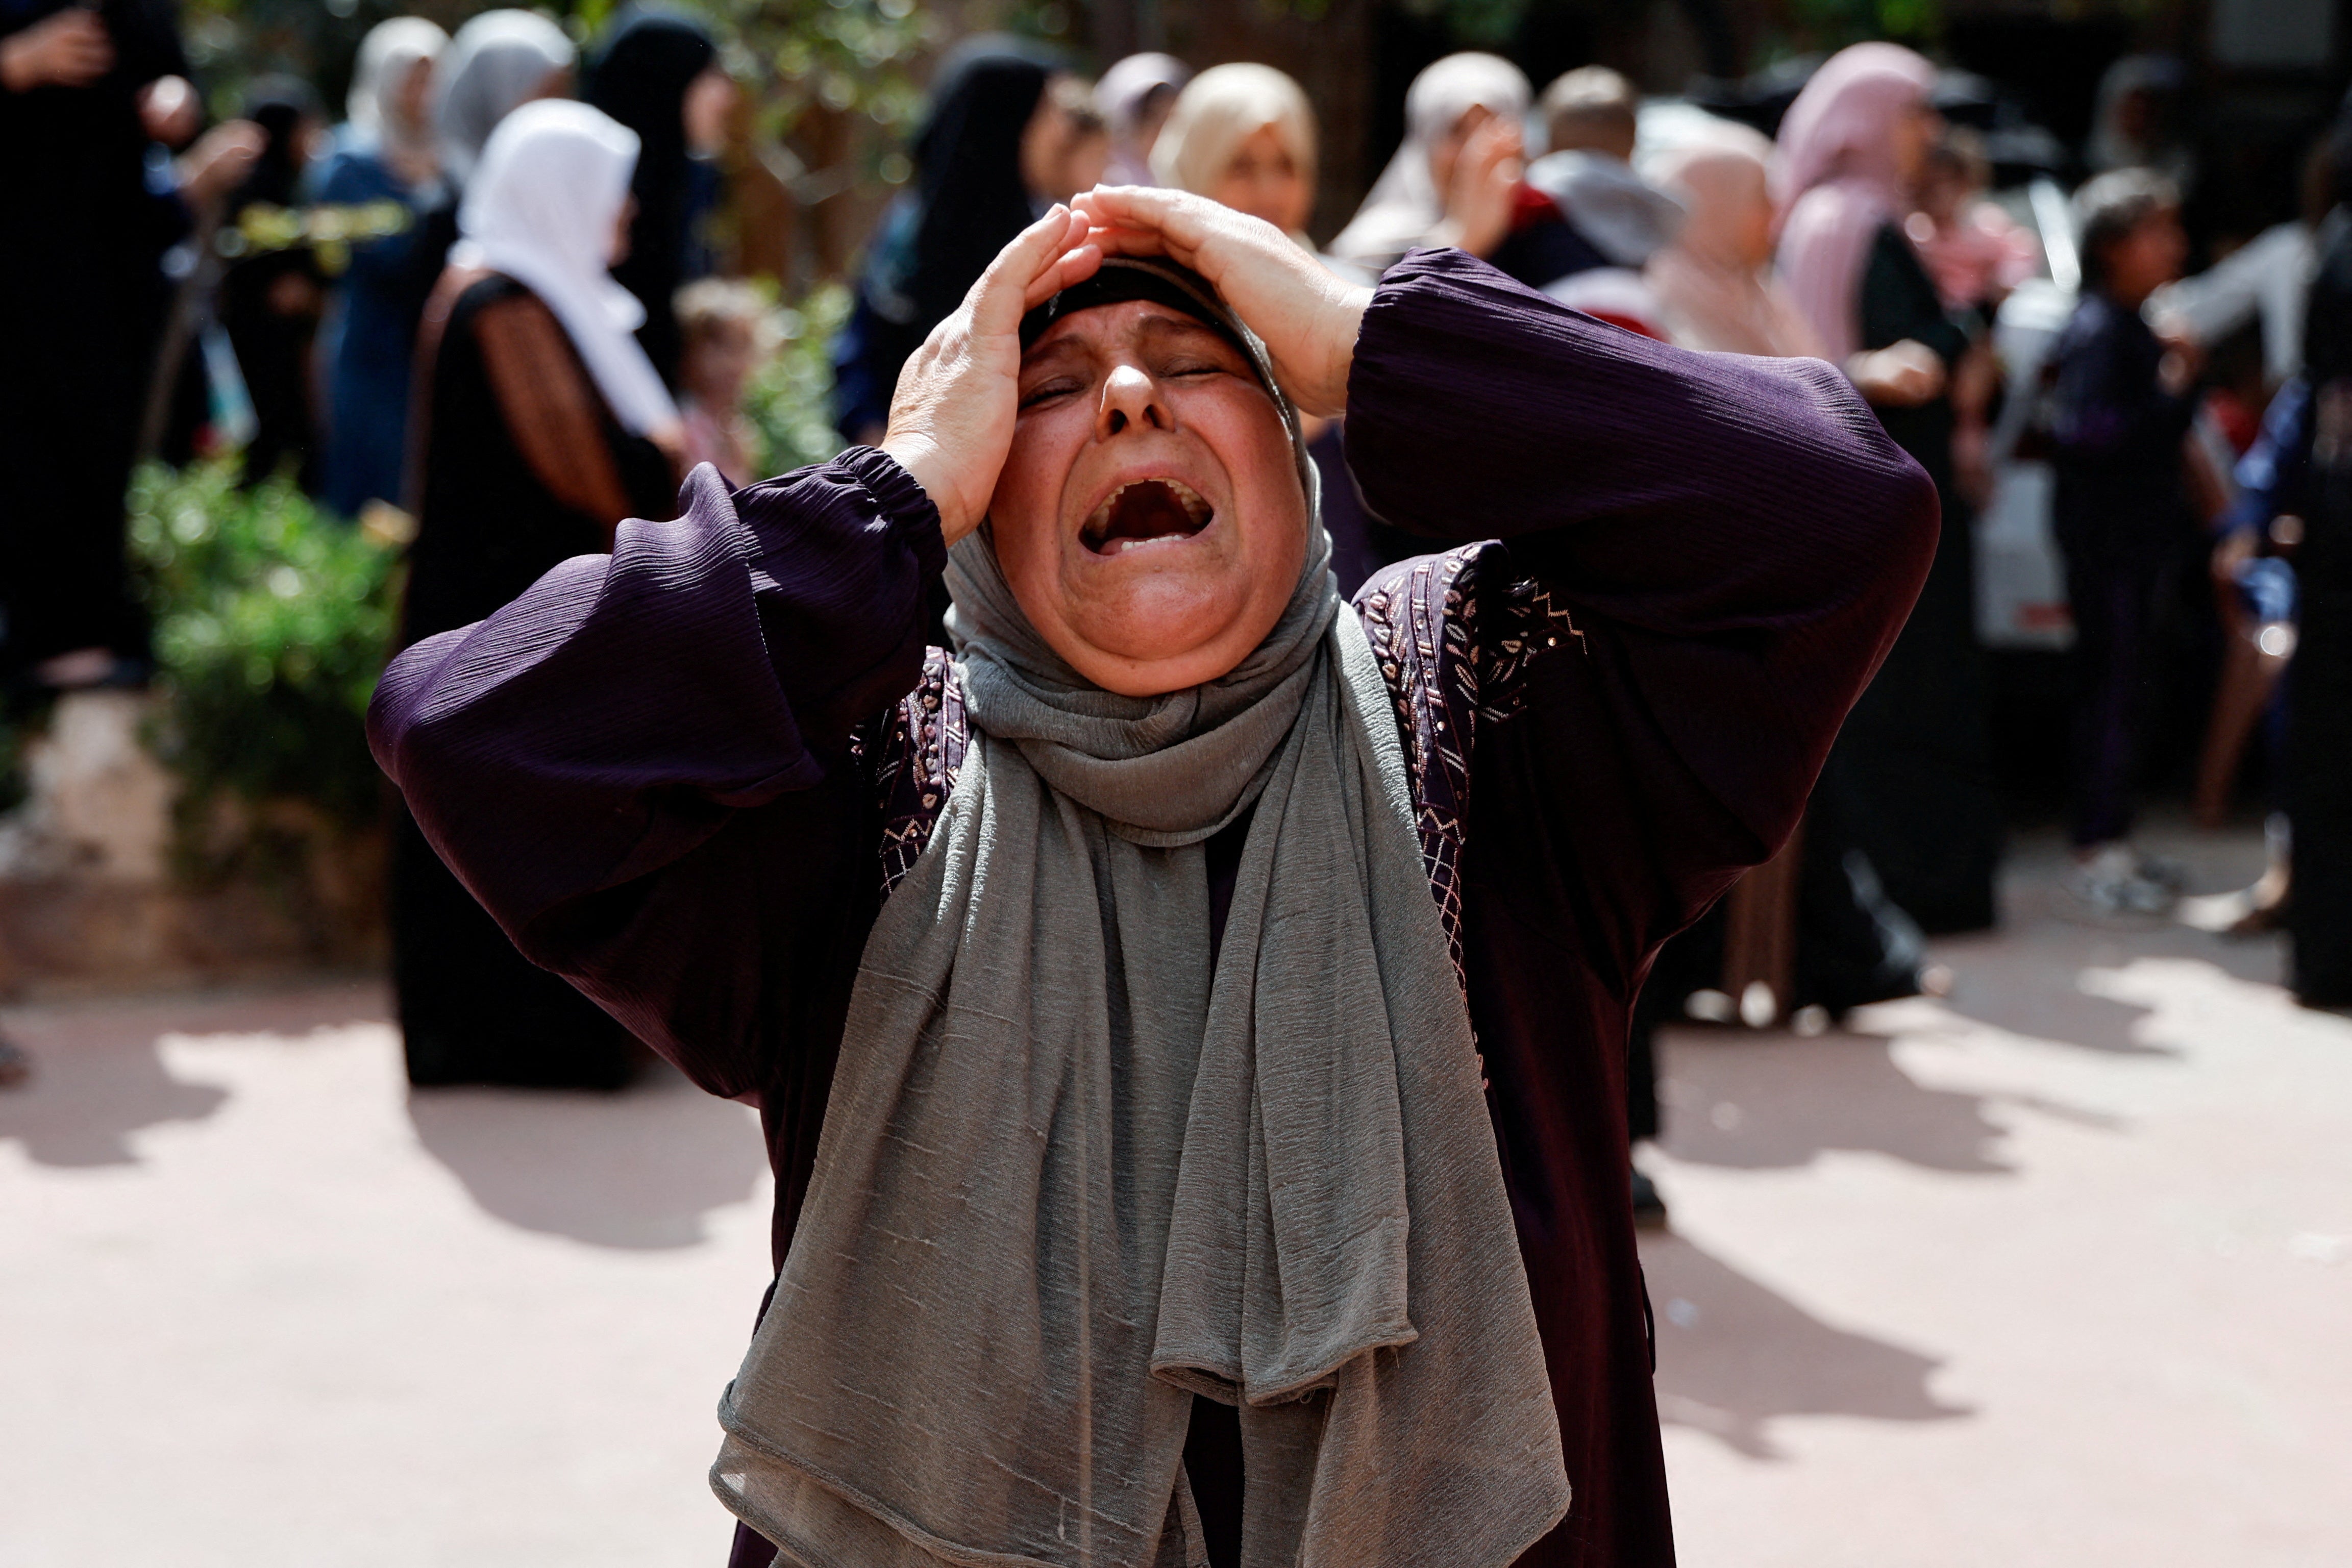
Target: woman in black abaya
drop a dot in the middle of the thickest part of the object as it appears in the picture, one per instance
(82, 302)
(653, 65)
(934, 242)
(540, 427)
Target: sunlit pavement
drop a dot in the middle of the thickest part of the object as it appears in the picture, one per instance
(2057, 1273)
(259, 1305)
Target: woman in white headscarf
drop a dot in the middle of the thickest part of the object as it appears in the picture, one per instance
(1453, 182)
(385, 164)
(542, 425)
(498, 61)
(1134, 97)
(1243, 135)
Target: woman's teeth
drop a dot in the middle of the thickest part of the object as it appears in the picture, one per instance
(1145, 511)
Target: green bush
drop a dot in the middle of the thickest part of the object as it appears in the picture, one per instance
(789, 400)
(272, 622)
(273, 619)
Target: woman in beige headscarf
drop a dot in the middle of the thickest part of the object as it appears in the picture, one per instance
(1244, 136)
(1714, 281)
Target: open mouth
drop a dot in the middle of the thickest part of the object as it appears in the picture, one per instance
(1146, 512)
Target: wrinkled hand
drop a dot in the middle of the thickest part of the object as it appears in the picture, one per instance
(951, 416)
(67, 49)
(1902, 375)
(219, 161)
(1486, 178)
(1307, 317)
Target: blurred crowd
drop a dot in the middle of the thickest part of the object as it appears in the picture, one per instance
(478, 309)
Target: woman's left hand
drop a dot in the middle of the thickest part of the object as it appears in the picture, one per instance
(1308, 318)
(952, 414)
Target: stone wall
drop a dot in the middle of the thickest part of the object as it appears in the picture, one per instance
(93, 896)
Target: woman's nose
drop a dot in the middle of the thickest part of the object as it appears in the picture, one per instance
(1130, 397)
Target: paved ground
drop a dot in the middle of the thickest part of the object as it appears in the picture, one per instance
(2059, 1272)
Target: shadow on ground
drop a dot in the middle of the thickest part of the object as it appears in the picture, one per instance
(639, 1169)
(1776, 1101)
(83, 1104)
(1733, 1356)
(99, 1074)
(2028, 976)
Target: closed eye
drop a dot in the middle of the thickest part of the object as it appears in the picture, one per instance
(1046, 391)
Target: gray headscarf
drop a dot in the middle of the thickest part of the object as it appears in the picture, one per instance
(1073, 1172)
(495, 63)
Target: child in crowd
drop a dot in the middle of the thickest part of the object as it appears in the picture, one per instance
(726, 331)
(2120, 410)
(1975, 252)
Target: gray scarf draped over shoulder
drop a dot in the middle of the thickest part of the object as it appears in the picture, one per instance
(1074, 1171)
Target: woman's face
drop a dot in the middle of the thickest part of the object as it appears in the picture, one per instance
(1265, 182)
(410, 103)
(1149, 517)
(1916, 131)
(1754, 231)
(709, 104)
(617, 249)
(1059, 160)
(1151, 116)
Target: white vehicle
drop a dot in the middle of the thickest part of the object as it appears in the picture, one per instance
(2021, 580)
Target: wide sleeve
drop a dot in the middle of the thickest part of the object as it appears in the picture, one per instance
(1732, 543)
(550, 409)
(642, 767)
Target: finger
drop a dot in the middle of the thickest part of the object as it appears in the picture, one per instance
(1184, 219)
(1132, 242)
(1074, 267)
(996, 301)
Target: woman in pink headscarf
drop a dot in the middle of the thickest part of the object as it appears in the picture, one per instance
(1713, 282)
(1851, 147)
(1910, 773)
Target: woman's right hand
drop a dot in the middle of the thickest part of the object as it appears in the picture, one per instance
(1901, 375)
(1485, 181)
(951, 416)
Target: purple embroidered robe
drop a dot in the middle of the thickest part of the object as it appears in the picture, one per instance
(685, 775)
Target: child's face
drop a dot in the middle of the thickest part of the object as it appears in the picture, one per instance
(1945, 190)
(2147, 256)
(719, 363)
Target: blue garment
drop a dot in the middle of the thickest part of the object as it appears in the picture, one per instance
(370, 337)
(2271, 479)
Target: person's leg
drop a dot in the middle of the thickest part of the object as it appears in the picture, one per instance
(2107, 627)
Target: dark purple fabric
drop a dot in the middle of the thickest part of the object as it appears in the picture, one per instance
(2113, 601)
(2116, 436)
(643, 766)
